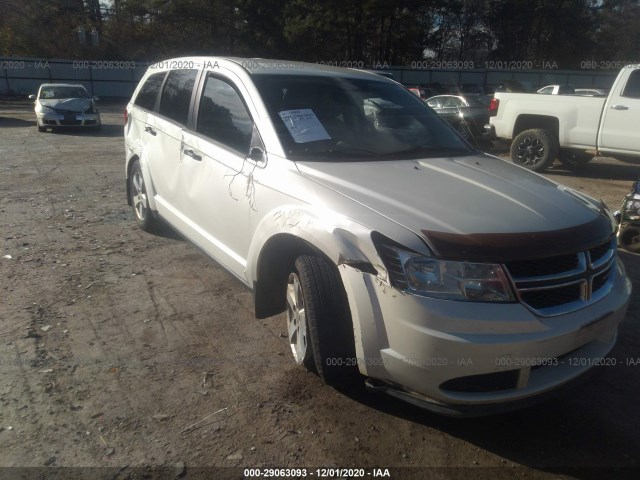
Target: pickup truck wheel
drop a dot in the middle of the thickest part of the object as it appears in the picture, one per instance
(574, 158)
(139, 201)
(319, 321)
(534, 149)
(629, 239)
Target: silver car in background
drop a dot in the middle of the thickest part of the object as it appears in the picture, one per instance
(65, 105)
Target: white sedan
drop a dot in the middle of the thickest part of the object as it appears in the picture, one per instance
(65, 105)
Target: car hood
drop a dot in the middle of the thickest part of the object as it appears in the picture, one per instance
(474, 208)
(71, 104)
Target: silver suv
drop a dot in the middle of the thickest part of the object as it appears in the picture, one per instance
(401, 255)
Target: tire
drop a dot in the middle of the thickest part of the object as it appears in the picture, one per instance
(534, 149)
(139, 200)
(574, 158)
(629, 239)
(42, 129)
(319, 323)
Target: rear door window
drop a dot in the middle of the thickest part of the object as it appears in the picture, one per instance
(149, 91)
(176, 95)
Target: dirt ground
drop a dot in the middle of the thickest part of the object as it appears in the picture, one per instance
(122, 351)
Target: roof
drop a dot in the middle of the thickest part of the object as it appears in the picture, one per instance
(268, 66)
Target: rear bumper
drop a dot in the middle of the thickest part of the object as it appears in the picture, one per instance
(490, 131)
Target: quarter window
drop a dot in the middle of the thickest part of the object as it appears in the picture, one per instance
(149, 91)
(176, 95)
(223, 117)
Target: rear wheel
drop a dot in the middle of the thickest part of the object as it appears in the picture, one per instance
(534, 149)
(139, 199)
(319, 322)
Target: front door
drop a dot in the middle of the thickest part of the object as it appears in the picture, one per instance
(217, 173)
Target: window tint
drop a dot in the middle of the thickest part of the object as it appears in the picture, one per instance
(342, 118)
(223, 117)
(149, 92)
(632, 88)
(176, 95)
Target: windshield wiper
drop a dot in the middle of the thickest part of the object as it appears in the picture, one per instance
(430, 149)
(334, 152)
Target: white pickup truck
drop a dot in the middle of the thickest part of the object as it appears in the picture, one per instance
(546, 127)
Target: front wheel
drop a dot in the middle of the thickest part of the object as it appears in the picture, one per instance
(319, 323)
(629, 239)
(534, 149)
(139, 199)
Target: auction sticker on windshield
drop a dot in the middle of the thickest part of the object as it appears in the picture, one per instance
(303, 125)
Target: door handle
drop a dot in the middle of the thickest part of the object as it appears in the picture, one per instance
(192, 154)
(150, 130)
(619, 107)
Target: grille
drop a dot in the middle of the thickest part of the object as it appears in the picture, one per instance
(392, 262)
(485, 383)
(544, 266)
(600, 281)
(561, 284)
(599, 252)
(546, 298)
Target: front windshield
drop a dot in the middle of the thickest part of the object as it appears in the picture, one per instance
(322, 117)
(57, 92)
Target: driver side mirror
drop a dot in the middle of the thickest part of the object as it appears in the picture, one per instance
(32, 97)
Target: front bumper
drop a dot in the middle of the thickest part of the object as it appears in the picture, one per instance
(454, 357)
(47, 119)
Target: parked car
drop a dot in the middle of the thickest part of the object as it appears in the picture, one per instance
(399, 253)
(591, 92)
(511, 86)
(422, 91)
(569, 128)
(65, 105)
(557, 90)
(629, 219)
(468, 114)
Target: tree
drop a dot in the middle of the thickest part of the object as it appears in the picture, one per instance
(618, 33)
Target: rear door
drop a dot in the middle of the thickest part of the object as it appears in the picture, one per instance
(142, 112)
(621, 117)
(164, 153)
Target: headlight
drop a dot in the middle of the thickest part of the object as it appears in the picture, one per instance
(46, 109)
(421, 275)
